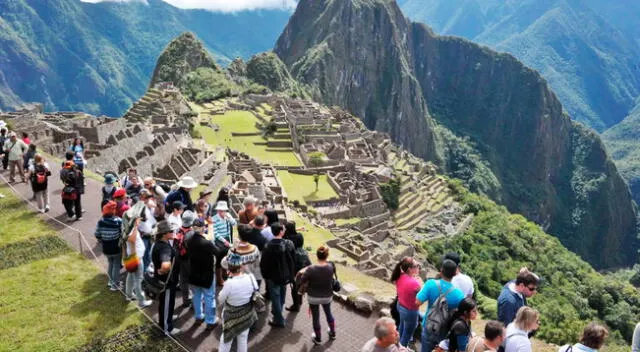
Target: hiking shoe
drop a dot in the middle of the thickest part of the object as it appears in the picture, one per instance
(79, 218)
(315, 339)
(146, 303)
(332, 334)
(70, 218)
(174, 331)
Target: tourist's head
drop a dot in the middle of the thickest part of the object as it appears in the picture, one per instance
(145, 195)
(177, 208)
(234, 262)
(38, 159)
(244, 231)
(25, 135)
(204, 196)
(222, 208)
(135, 180)
(454, 257)
(132, 172)
(109, 209)
(448, 269)
(32, 148)
(527, 319)
(494, 333)
(164, 231)
(408, 266)
(3, 131)
(68, 155)
(527, 283)
(249, 203)
(149, 182)
(594, 335)
(259, 221)
(109, 179)
(187, 183)
(277, 230)
(120, 194)
(322, 253)
(13, 136)
(290, 228)
(272, 216)
(188, 217)
(77, 141)
(467, 309)
(385, 331)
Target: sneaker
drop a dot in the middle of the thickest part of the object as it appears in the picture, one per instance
(174, 331)
(70, 218)
(211, 326)
(46, 209)
(41, 211)
(131, 298)
(275, 325)
(84, 211)
(113, 288)
(315, 339)
(293, 308)
(146, 303)
(174, 317)
(332, 334)
(79, 218)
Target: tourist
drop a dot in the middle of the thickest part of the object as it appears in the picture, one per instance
(301, 260)
(249, 212)
(223, 195)
(593, 337)
(135, 245)
(494, 335)
(386, 337)
(72, 191)
(635, 343)
(126, 180)
(183, 231)
(260, 223)
(108, 190)
(159, 194)
(223, 224)
(204, 209)
(4, 136)
(514, 295)
(39, 175)
(25, 138)
(276, 266)
(108, 233)
(15, 149)
(249, 256)
(133, 189)
(318, 280)
(253, 235)
(405, 277)
(430, 293)
(200, 256)
(77, 147)
(460, 326)
(27, 158)
(175, 217)
(272, 216)
(526, 321)
(183, 193)
(145, 228)
(460, 281)
(163, 256)
(120, 197)
(238, 312)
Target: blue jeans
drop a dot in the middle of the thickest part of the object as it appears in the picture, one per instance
(146, 258)
(408, 324)
(428, 342)
(114, 269)
(209, 295)
(277, 294)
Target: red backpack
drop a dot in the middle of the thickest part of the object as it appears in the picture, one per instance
(41, 174)
(180, 241)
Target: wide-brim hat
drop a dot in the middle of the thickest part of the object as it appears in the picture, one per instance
(188, 217)
(2, 124)
(109, 179)
(187, 182)
(164, 227)
(222, 205)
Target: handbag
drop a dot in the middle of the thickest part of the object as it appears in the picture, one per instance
(259, 303)
(335, 285)
(154, 286)
(131, 262)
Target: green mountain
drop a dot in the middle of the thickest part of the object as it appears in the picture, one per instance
(588, 50)
(99, 58)
(402, 78)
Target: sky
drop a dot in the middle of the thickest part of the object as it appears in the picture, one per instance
(223, 5)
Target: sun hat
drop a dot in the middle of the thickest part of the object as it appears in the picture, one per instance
(12, 134)
(163, 227)
(222, 205)
(109, 179)
(187, 182)
(2, 124)
(187, 218)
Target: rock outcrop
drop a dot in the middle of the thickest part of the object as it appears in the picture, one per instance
(366, 56)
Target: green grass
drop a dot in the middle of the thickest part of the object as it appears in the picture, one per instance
(244, 122)
(314, 236)
(350, 221)
(303, 189)
(18, 222)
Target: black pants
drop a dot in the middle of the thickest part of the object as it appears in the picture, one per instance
(166, 303)
(295, 297)
(315, 314)
(73, 207)
(184, 279)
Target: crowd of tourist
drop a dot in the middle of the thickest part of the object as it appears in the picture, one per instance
(168, 243)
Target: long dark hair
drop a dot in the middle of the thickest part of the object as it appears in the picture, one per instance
(464, 310)
(401, 267)
(76, 140)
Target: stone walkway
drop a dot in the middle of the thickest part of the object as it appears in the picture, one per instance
(353, 329)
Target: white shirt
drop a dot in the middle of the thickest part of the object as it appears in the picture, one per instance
(175, 221)
(464, 283)
(139, 246)
(147, 226)
(237, 290)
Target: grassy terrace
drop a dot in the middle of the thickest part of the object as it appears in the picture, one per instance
(303, 189)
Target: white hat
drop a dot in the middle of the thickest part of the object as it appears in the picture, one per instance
(12, 134)
(2, 123)
(222, 205)
(187, 182)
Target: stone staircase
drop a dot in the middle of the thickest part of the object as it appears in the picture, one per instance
(419, 199)
(145, 107)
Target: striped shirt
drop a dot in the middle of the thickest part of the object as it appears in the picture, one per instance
(222, 227)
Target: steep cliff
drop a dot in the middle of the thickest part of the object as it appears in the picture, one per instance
(623, 142)
(366, 56)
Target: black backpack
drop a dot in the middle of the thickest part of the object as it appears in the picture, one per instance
(165, 187)
(301, 259)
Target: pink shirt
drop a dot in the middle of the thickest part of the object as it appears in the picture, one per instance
(407, 288)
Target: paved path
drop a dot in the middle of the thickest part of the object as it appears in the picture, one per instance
(353, 328)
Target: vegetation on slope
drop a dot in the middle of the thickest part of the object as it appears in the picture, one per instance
(268, 70)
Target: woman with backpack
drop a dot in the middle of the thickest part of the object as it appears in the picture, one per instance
(318, 282)
(39, 175)
(518, 331)
(460, 325)
(405, 277)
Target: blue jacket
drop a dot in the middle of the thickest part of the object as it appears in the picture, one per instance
(108, 232)
(181, 195)
(508, 304)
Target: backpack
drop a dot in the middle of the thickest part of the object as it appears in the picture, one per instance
(439, 314)
(165, 187)
(40, 175)
(301, 259)
(180, 241)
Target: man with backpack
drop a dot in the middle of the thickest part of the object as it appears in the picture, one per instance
(442, 297)
(73, 181)
(183, 233)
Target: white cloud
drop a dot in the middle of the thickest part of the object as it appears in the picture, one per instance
(222, 5)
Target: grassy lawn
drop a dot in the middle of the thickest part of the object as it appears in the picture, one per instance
(303, 189)
(58, 303)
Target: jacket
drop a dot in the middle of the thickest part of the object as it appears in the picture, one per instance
(277, 262)
(508, 304)
(201, 254)
(108, 232)
(73, 177)
(181, 195)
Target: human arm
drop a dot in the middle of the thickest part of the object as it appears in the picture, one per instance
(134, 232)
(461, 332)
(506, 311)
(165, 260)
(224, 293)
(423, 294)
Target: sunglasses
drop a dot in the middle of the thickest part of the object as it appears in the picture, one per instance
(532, 289)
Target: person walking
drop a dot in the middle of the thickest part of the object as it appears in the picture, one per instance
(593, 338)
(108, 233)
(184, 232)
(518, 331)
(72, 191)
(238, 312)
(277, 267)
(77, 147)
(494, 335)
(514, 295)
(15, 148)
(163, 257)
(133, 284)
(318, 280)
(39, 177)
(204, 209)
(460, 326)
(133, 189)
(223, 224)
(4, 136)
(175, 217)
(28, 157)
(386, 337)
(405, 277)
(201, 254)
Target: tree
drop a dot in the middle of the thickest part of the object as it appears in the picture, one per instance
(316, 159)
